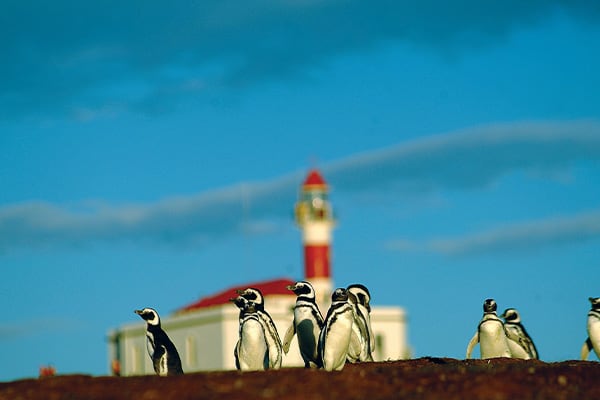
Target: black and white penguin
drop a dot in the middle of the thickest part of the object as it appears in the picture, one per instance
(336, 336)
(519, 342)
(593, 328)
(307, 324)
(360, 298)
(162, 351)
(251, 351)
(272, 336)
(490, 334)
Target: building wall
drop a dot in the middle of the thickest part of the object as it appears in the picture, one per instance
(205, 339)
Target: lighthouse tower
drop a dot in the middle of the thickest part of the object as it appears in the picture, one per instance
(315, 218)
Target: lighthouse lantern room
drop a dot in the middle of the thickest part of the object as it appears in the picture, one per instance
(314, 216)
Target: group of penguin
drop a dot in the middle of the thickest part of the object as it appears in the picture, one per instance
(509, 338)
(344, 335)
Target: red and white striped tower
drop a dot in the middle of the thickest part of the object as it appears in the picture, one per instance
(315, 218)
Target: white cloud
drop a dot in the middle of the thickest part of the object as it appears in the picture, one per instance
(517, 237)
(468, 159)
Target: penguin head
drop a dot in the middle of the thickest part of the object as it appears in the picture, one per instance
(511, 315)
(239, 301)
(339, 294)
(149, 315)
(252, 294)
(489, 306)
(244, 304)
(595, 302)
(362, 294)
(302, 288)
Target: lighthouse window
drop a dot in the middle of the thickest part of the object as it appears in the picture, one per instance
(314, 206)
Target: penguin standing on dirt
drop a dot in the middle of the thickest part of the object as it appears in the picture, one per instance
(251, 352)
(593, 328)
(359, 297)
(162, 351)
(490, 334)
(519, 342)
(307, 324)
(336, 336)
(272, 336)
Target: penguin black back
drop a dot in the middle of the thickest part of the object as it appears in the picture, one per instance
(516, 331)
(162, 351)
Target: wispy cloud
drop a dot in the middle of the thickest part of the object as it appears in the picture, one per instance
(98, 55)
(178, 221)
(467, 159)
(471, 158)
(518, 237)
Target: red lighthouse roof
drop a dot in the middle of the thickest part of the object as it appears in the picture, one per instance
(313, 179)
(275, 286)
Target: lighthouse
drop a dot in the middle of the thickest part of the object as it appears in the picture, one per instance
(206, 330)
(314, 217)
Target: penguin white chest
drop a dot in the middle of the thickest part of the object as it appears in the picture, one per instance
(252, 347)
(492, 339)
(593, 327)
(337, 340)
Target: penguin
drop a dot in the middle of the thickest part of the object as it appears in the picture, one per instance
(360, 298)
(162, 351)
(336, 336)
(251, 352)
(307, 324)
(519, 342)
(272, 336)
(490, 334)
(593, 328)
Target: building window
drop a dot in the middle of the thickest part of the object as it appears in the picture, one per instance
(379, 347)
(137, 361)
(190, 351)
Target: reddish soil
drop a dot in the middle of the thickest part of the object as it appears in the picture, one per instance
(424, 378)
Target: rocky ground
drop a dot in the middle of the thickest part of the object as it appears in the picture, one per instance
(424, 378)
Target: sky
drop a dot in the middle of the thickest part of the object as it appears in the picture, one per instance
(151, 154)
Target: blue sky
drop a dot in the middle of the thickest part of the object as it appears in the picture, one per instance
(151, 154)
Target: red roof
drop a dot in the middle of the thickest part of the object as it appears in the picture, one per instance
(314, 178)
(275, 286)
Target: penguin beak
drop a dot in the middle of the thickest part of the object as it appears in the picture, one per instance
(138, 312)
(239, 291)
(291, 287)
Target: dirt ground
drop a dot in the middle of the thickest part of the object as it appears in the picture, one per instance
(423, 378)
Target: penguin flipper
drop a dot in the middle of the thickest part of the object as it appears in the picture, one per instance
(586, 348)
(354, 347)
(289, 335)
(474, 340)
(235, 355)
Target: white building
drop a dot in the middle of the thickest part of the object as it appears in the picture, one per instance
(205, 332)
